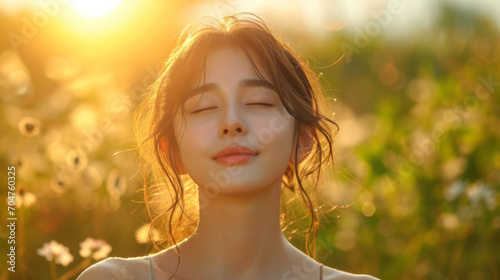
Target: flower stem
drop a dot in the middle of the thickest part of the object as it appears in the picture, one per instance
(75, 270)
(53, 272)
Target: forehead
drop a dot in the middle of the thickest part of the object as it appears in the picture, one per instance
(230, 62)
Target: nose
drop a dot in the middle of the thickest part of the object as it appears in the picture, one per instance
(232, 124)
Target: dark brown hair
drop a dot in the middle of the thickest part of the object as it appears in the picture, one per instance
(171, 198)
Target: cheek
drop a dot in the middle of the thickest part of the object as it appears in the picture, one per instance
(275, 134)
(193, 141)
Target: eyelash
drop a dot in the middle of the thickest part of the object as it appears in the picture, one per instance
(208, 108)
(261, 104)
(203, 109)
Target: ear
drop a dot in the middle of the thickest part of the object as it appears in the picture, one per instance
(306, 142)
(177, 157)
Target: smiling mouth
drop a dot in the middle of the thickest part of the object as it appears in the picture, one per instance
(235, 154)
(235, 159)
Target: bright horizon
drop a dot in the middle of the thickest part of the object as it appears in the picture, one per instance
(315, 14)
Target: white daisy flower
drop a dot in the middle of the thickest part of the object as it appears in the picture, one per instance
(77, 160)
(116, 183)
(29, 126)
(24, 197)
(95, 248)
(56, 252)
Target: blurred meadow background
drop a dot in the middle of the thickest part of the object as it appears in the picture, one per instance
(415, 91)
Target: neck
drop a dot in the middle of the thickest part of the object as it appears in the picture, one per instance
(239, 235)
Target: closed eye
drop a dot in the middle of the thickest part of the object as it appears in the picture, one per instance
(203, 109)
(261, 104)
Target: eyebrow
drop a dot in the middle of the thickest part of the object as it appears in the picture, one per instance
(256, 83)
(242, 84)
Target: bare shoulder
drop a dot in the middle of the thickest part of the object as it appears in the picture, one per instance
(116, 269)
(334, 274)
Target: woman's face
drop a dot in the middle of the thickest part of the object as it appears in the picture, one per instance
(232, 109)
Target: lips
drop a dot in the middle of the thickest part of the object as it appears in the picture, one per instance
(235, 155)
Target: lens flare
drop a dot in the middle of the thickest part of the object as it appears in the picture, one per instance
(94, 8)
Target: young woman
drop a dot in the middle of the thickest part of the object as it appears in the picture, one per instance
(233, 124)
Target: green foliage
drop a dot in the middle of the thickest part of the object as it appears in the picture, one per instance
(420, 122)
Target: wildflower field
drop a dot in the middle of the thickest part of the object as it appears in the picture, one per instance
(418, 151)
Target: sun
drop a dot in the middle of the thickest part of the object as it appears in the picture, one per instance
(94, 8)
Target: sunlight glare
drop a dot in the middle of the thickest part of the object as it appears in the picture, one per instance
(94, 8)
